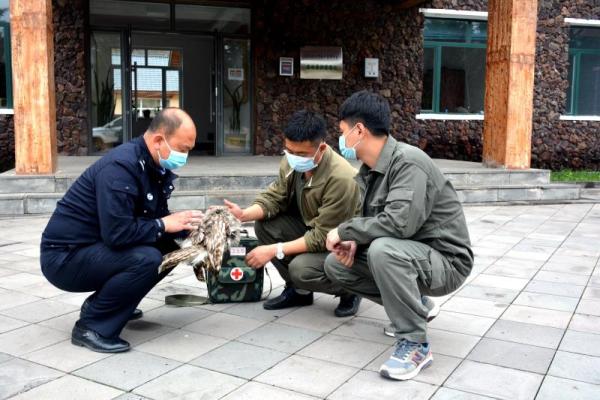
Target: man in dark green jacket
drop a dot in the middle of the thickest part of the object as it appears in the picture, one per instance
(411, 239)
(314, 193)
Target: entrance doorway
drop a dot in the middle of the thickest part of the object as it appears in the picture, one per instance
(194, 57)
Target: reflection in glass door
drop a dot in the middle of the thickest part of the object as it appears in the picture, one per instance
(237, 138)
(106, 91)
(155, 84)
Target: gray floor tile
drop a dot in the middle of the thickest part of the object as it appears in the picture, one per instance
(240, 359)
(452, 394)
(581, 342)
(365, 329)
(305, 375)
(29, 338)
(482, 308)
(19, 376)
(223, 325)
(65, 356)
(130, 396)
(558, 289)
(181, 345)
(538, 316)
(585, 323)
(318, 317)
(175, 317)
(39, 310)
(589, 307)
(556, 265)
(578, 367)
(513, 271)
(451, 343)
(10, 299)
(501, 282)
(140, 331)
(127, 370)
(288, 339)
(499, 295)
(559, 389)
(561, 277)
(63, 323)
(520, 332)
(70, 387)
(259, 391)
(256, 311)
(551, 302)
(513, 355)
(9, 324)
(373, 310)
(368, 385)
(462, 323)
(494, 381)
(343, 350)
(591, 293)
(190, 382)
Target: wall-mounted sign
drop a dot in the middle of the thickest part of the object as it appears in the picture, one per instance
(371, 67)
(321, 62)
(286, 66)
(235, 74)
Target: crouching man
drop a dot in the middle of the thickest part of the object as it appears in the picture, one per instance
(109, 232)
(315, 191)
(411, 239)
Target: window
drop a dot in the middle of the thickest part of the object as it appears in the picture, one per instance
(454, 66)
(5, 62)
(583, 97)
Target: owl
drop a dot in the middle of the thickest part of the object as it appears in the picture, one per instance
(203, 249)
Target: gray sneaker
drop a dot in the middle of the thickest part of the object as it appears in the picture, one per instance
(434, 310)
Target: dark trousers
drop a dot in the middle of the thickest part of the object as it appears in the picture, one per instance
(119, 279)
(302, 271)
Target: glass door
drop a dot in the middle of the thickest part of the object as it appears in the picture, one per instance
(156, 83)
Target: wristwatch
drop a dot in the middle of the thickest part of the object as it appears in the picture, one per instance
(279, 255)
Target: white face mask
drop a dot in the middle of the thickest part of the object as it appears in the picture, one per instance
(301, 164)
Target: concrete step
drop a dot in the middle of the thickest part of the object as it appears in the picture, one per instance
(44, 203)
(10, 183)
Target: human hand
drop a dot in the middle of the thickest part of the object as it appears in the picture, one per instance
(345, 251)
(234, 209)
(261, 255)
(333, 239)
(183, 220)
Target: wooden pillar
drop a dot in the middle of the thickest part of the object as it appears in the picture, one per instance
(509, 83)
(32, 40)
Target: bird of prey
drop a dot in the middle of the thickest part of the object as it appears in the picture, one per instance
(203, 249)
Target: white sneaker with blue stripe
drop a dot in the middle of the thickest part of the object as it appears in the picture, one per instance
(408, 359)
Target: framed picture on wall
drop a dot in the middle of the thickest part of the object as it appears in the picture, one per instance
(286, 66)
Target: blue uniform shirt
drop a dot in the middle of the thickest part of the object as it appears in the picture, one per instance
(118, 200)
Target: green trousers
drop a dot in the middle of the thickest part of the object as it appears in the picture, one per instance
(302, 271)
(396, 273)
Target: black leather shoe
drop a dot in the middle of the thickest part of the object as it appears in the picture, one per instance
(288, 298)
(136, 314)
(348, 306)
(84, 337)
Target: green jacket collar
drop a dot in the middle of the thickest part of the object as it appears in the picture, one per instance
(384, 160)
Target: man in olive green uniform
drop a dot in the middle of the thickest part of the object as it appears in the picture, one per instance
(314, 193)
(411, 239)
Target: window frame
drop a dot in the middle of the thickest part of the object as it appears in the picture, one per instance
(437, 46)
(575, 62)
(8, 61)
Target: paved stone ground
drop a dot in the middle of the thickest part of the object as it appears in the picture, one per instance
(525, 326)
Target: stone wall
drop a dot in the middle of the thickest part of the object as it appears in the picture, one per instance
(70, 76)
(371, 28)
(377, 28)
(559, 144)
(7, 143)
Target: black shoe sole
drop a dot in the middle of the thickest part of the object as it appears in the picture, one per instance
(271, 308)
(80, 343)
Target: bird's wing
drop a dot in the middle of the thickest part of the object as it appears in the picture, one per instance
(188, 254)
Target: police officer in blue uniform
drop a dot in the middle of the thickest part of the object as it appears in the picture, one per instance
(109, 232)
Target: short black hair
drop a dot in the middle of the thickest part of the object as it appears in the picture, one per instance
(369, 108)
(306, 125)
(166, 121)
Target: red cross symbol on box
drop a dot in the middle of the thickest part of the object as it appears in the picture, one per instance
(236, 274)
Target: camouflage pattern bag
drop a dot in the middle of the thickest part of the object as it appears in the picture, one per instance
(236, 281)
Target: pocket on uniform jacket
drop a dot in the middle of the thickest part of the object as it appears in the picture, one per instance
(124, 187)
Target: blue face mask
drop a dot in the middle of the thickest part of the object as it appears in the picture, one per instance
(301, 164)
(349, 153)
(175, 160)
